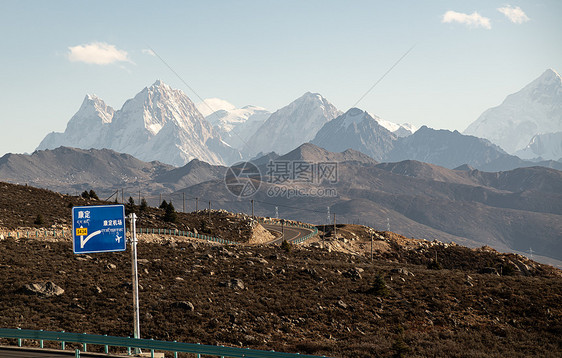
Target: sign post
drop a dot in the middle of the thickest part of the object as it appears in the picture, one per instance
(136, 318)
(102, 229)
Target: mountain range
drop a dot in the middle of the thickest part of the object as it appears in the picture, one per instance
(512, 210)
(161, 123)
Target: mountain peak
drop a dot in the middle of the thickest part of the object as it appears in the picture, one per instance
(159, 83)
(550, 74)
(92, 97)
(534, 109)
(292, 125)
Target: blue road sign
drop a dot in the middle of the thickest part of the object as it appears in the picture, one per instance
(98, 228)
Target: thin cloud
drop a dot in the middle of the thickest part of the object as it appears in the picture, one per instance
(148, 51)
(472, 20)
(514, 14)
(97, 53)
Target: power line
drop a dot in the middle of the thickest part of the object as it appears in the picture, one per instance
(384, 75)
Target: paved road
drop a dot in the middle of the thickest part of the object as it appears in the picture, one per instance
(291, 233)
(16, 352)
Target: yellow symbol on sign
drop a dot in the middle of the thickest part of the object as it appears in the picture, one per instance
(82, 231)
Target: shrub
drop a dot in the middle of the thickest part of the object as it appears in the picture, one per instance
(163, 205)
(143, 205)
(170, 215)
(434, 265)
(285, 245)
(85, 194)
(379, 287)
(39, 220)
(400, 348)
(93, 195)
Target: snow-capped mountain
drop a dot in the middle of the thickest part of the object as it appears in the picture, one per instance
(546, 146)
(535, 109)
(210, 105)
(292, 125)
(237, 125)
(159, 123)
(86, 128)
(358, 130)
(400, 130)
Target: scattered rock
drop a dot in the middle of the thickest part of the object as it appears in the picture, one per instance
(402, 271)
(354, 273)
(45, 289)
(342, 304)
(259, 260)
(235, 284)
(184, 305)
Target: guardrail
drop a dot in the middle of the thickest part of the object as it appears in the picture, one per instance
(61, 233)
(293, 224)
(147, 344)
(176, 232)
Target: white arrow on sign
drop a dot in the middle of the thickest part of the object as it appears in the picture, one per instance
(84, 241)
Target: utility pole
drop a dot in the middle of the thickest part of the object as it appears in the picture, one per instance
(277, 212)
(209, 211)
(334, 225)
(160, 200)
(252, 209)
(196, 204)
(139, 198)
(183, 194)
(122, 196)
(283, 229)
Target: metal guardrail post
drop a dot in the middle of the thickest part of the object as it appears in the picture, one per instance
(106, 348)
(62, 344)
(77, 353)
(19, 339)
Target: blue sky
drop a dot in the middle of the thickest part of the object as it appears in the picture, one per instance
(467, 56)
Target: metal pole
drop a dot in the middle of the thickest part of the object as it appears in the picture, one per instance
(183, 194)
(136, 317)
(209, 211)
(196, 204)
(371, 246)
(252, 208)
(334, 225)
